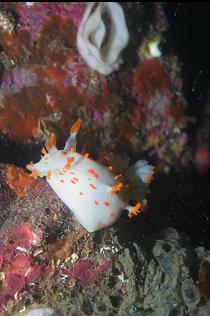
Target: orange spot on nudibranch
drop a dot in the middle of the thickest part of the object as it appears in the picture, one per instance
(73, 182)
(64, 152)
(96, 203)
(61, 173)
(106, 203)
(92, 171)
(117, 187)
(110, 168)
(49, 175)
(51, 142)
(76, 179)
(76, 126)
(135, 210)
(72, 150)
(81, 193)
(93, 186)
(70, 160)
(62, 181)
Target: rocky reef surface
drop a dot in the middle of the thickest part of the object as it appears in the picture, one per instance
(46, 84)
(49, 261)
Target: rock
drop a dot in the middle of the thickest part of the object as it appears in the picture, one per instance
(108, 272)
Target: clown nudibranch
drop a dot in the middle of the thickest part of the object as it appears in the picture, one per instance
(95, 193)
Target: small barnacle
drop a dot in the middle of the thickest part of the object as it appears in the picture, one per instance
(150, 46)
(74, 257)
(2, 276)
(7, 22)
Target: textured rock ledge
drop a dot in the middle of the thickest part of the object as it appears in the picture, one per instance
(111, 272)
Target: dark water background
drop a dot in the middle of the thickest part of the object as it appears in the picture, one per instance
(188, 35)
(182, 199)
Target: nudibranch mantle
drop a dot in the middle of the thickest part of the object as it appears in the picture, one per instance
(91, 190)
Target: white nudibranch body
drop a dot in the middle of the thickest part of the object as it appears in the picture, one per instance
(94, 193)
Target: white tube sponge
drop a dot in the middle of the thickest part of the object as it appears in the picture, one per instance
(100, 43)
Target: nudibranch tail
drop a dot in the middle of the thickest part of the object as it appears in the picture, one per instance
(145, 171)
(141, 171)
(139, 177)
